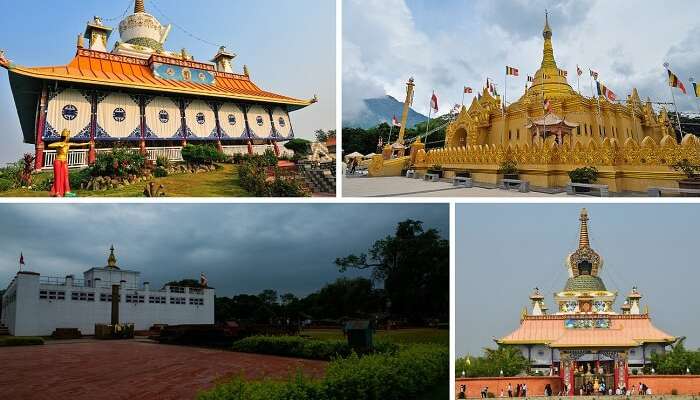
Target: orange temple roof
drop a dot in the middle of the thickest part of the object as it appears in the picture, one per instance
(106, 69)
(624, 331)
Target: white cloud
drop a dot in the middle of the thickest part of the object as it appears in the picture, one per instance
(626, 42)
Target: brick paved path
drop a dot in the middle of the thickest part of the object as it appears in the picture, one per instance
(130, 370)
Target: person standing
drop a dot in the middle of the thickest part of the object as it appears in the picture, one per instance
(510, 390)
(61, 181)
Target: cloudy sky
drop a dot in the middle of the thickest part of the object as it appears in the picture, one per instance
(242, 248)
(457, 43)
(288, 45)
(505, 250)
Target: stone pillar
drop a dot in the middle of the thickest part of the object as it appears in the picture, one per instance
(92, 154)
(115, 304)
(40, 125)
(142, 111)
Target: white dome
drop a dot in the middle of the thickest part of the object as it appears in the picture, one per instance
(143, 29)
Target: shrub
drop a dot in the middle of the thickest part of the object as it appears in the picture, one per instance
(21, 341)
(118, 162)
(42, 182)
(202, 154)
(690, 170)
(405, 374)
(160, 172)
(584, 175)
(253, 177)
(163, 162)
(508, 167)
(13, 173)
(79, 178)
(6, 184)
(296, 346)
(27, 169)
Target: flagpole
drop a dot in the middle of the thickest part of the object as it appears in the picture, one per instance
(391, 129)
(503, 110)
(430, 110)
(464, 91)
(675, 107)
(578, 80)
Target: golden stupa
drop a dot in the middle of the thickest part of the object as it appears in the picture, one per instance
(630, 144)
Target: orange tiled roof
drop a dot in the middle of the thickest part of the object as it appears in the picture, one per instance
(624, 331)
(108, 69)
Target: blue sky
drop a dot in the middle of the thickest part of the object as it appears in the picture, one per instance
(454, 43)
(288, 45)
(503, 251)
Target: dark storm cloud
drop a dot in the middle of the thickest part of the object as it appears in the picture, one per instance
(242, 248)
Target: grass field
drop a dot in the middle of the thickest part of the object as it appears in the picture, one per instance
(220, 183)
(402, 336)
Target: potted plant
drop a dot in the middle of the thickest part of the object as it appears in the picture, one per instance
(436, 169)
(509, 169)
(691, 171)
(585, 175)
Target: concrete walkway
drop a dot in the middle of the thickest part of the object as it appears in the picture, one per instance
(407, 187)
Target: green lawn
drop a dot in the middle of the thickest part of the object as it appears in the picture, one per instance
(220, 183)
(403, 336)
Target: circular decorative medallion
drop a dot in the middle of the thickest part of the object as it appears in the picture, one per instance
(260, 121)
(202, 77)
(200, 118)
(119, 114)
(186, 74)
(282, 122)
(170, 72)
(231, 119)
(163, 116)
(69, 112)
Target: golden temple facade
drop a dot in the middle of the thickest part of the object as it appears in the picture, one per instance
(630, 144)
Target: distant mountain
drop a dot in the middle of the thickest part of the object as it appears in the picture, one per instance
(382, 109)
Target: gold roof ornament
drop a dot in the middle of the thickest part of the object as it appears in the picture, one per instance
(139, 7)
(112, 259)
(583, 240)
(548, 53)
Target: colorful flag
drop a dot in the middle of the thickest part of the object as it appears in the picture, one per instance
(604, 91)
(512, 71)
(467, 89)
(434, 103)
(547, 105)
(673, 81)
(530, 78)
(394, 121)
(593, 74)
(696, 89)
(203, 280)
(579, 71)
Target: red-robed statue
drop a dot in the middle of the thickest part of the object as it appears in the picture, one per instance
(61, 183)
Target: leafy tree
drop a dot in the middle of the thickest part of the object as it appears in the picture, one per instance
(323, 136)
(365, 141)
(413, 265)
(676, 361)
(268, 297)
(299, 146)
(508, 359)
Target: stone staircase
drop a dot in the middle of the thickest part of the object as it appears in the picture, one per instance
(3, 330)
(319, 180)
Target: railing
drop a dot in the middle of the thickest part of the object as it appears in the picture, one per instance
(79, 158)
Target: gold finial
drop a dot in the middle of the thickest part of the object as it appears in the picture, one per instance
(81, 43)
(548, 53)
(112, 259)
(139, 7)
(583, 234)
(245, 70)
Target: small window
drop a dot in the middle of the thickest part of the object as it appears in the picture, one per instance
(43, 294)
(282, 122)
(517, 134)
(200, 119)
(260, 121)
(69, 112)
(231, 119)
(119, 114)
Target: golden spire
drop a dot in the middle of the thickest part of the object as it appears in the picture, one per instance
(548, 53)
(139, 7)
(583, 234)
(112, 259)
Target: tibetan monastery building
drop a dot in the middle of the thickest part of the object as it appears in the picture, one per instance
(584, 339)
(144, 96)
(628, 142)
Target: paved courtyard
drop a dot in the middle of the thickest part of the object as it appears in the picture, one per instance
(407, 187)
(130, 370)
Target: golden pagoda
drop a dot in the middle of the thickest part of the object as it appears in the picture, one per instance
(630, 144)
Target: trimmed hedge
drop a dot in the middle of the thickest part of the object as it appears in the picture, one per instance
(405, 374)
(21, 341)
(296, 346)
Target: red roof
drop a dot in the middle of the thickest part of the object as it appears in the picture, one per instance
(99, 68)
(624, 331)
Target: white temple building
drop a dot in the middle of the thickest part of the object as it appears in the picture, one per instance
(35, 305)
